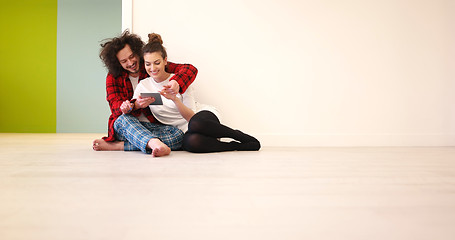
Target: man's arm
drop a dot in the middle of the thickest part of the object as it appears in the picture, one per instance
(184, 74)
(115, 94)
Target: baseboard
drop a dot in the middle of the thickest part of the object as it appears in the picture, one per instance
(355, 140)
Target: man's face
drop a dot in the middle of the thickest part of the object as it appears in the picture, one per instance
(128, 60)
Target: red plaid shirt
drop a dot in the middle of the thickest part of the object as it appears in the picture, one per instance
(120, 89)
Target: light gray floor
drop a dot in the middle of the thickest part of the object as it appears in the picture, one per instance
(54, 186)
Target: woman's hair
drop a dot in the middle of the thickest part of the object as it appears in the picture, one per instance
(155, 44)
(112, 46)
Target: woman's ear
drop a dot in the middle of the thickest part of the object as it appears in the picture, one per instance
(165, 61)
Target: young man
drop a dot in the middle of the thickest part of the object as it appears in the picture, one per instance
(139, 130)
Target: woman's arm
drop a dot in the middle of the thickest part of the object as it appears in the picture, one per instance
(185, 111)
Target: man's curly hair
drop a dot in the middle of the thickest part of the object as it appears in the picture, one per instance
(111, 47)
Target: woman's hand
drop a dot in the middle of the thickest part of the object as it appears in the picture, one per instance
(143, 102)
(171, 95)
(171, 88)
(126, 107)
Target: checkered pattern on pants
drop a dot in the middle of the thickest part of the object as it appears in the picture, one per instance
(137, 134)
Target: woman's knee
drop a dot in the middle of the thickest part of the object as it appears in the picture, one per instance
(193, 143)
(205, 115)
(200, 121)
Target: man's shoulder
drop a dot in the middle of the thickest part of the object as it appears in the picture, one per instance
(122, 76)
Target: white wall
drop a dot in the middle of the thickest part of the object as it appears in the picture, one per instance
(318, 73)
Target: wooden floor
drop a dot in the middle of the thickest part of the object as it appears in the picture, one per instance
(55, 187)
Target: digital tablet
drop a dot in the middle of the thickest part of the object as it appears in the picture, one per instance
(157, 96)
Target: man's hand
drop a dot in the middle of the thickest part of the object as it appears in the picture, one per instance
(126, 107)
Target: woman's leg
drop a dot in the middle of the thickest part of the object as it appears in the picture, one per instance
(206, 123)
(198, 143)
(204, 129)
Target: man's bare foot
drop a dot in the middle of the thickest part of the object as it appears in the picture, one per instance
(159, 148)
(101, 145)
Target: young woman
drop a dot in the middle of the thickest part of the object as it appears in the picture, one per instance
(202, 128)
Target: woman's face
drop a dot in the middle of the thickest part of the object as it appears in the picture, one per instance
(155, 66)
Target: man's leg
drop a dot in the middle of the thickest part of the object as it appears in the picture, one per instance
(101, 145)
(126, 146)
(129, 129)
(169, 135)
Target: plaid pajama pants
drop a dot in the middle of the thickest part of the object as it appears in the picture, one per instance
(137, 134)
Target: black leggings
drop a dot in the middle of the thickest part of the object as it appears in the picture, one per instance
(204, 130)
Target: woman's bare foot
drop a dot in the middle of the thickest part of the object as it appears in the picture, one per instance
(159, 149)
(101, 145)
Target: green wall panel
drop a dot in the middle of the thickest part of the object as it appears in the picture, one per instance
(28, 66)
(81, 76)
